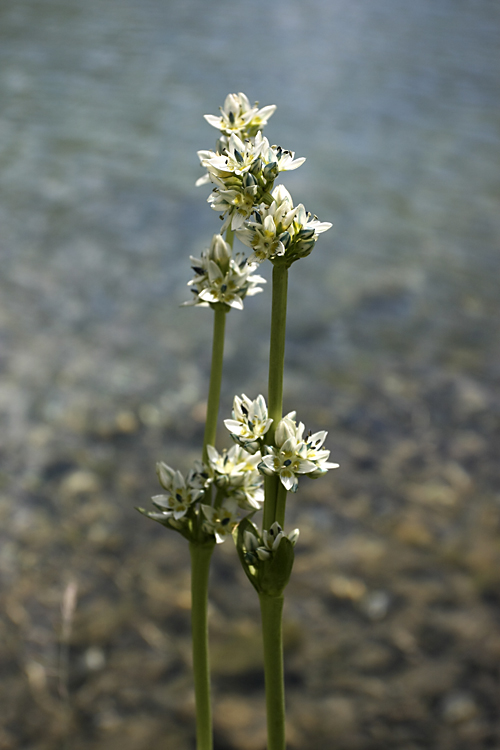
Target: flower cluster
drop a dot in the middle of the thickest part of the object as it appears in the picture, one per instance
(281, 230)
(222, 277)
(237, 482)
(294, 454)
(220, 521)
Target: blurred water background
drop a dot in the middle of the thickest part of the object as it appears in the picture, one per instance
(393, 614)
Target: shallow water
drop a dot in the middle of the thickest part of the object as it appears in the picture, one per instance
(392, 345)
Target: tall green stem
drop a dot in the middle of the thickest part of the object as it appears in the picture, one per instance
(215, 378)
(274, 510)
(275, 385)
(271, 608)
(201, 552)
(200, 568)
(277, 347)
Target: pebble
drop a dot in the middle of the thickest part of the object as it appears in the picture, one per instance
(459, 707)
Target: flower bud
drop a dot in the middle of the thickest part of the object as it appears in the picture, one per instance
(293, 536)
(305, 234)
(256, 168)
(304, 248)
(249, 180)
(220, 251)
(250, 540)
(270, 171)
(262, 553)
(284, 430)
(285, 239)
(165, 475)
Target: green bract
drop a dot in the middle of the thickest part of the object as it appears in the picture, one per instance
(268, 559)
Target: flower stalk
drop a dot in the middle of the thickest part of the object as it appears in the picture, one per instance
(277, 346)
(220, 312)
(275, 382)
(200, 567)
(271, 608)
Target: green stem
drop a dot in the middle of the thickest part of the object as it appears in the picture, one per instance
(230, 236)
(215, 378)
(277, 347)
(280, 505)
(275, 385)
(270, 497)
(200, 567)
(202, 552)
(271, 609)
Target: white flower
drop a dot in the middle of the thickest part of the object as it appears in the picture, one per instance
(235, 471)
(287, 428)
(314, 452)
(237, 204)
(230, 464)
(219, 521)
(182, 493)
(237, 158)
(294, 454)
(248, 491)
(250, 422)
(227, 288)
(287, 462)
(286, 160)
(237, 116)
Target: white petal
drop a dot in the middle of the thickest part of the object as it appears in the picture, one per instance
(164, 501)
(233, 426)
(305, 466)
(212, 454)
(236, 302)
(202, 180)
(290, 482)
(216, 122)
(294, 164)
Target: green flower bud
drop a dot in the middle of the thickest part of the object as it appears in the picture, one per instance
(270, 171)
(249, 180)
(256, 167)
(305, 234)
(285, 239)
